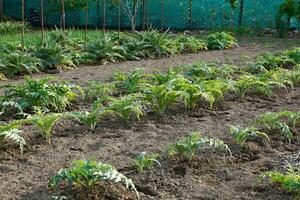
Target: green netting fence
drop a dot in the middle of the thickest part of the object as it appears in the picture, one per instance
(173, 14)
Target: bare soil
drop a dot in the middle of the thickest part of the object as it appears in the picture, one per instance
(212, 175)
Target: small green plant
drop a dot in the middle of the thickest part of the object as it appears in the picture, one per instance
(18, 63)
(188, 147)
(126, 106)
(280, 121)
(246, 83)
(160, 97)
(191, 93)
(190, 44)
(39, 93)
(220, 40)
(129, 83)
(242, 135)
(90, 118)
(10, 132)
(146, 161)
(165, 77)
(210, 71)
(88, 177)
(44, 121)
(289, 180)
(98, 91)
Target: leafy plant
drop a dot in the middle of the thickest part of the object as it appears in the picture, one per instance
(280, 121)
(89, 176)
(242, 135)
(188, 147)
(10, 132)
(18, 63)
(220, 40)
(44, 121)
(190, 44)
(289, 180)
(165, 77)
(129, 83)
(191, 93)
(97, 90)
(38, 93)
(90, 118)
(160, 97)
(210, 71)
(146, 161)
(126, 106)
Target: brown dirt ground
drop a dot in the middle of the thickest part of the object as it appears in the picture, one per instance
(212, 176)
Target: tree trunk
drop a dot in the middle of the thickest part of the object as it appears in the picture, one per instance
(133, 24)
(63, 15)
(162, 14)
(86, 22)
(98, 13)
(119, 19)
(190, 12)
(1, 10)
(42, 22)
(231, 19)
(241, 13)
(23, 24)
(104, 15)
(143, 14)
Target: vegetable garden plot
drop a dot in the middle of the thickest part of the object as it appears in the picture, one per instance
(158, 113)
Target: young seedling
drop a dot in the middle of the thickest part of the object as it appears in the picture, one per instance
(146, 161)
(130, 83)
(126, 106)
(242, 135)
(289, 181)
(97, 90)
(281, 121)
(160, 97)
(88, 175)
(188, 147)
(44, 121)
(10, 132)
(90, 118)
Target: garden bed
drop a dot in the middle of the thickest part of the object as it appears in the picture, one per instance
(211, 175)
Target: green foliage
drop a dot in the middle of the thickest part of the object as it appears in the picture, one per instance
(97, 90)
(188, 147)
(129, 83)
(220, 40)
(160, 97)
(18, 63)
(54, 57)
(210, 71)
(159, 44)
(246, 83)
(286, 11)
(289, 180)
(39, 93)
(89, 175)
(44, 121)
(10, 132)
(242, 135)
(190, 44)
(90, 118)
(269, 61)
(293, 54)
(11, 27)
(191, 93)
(146, 161)
(126, 106)
(165, 77)
(280, 121)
